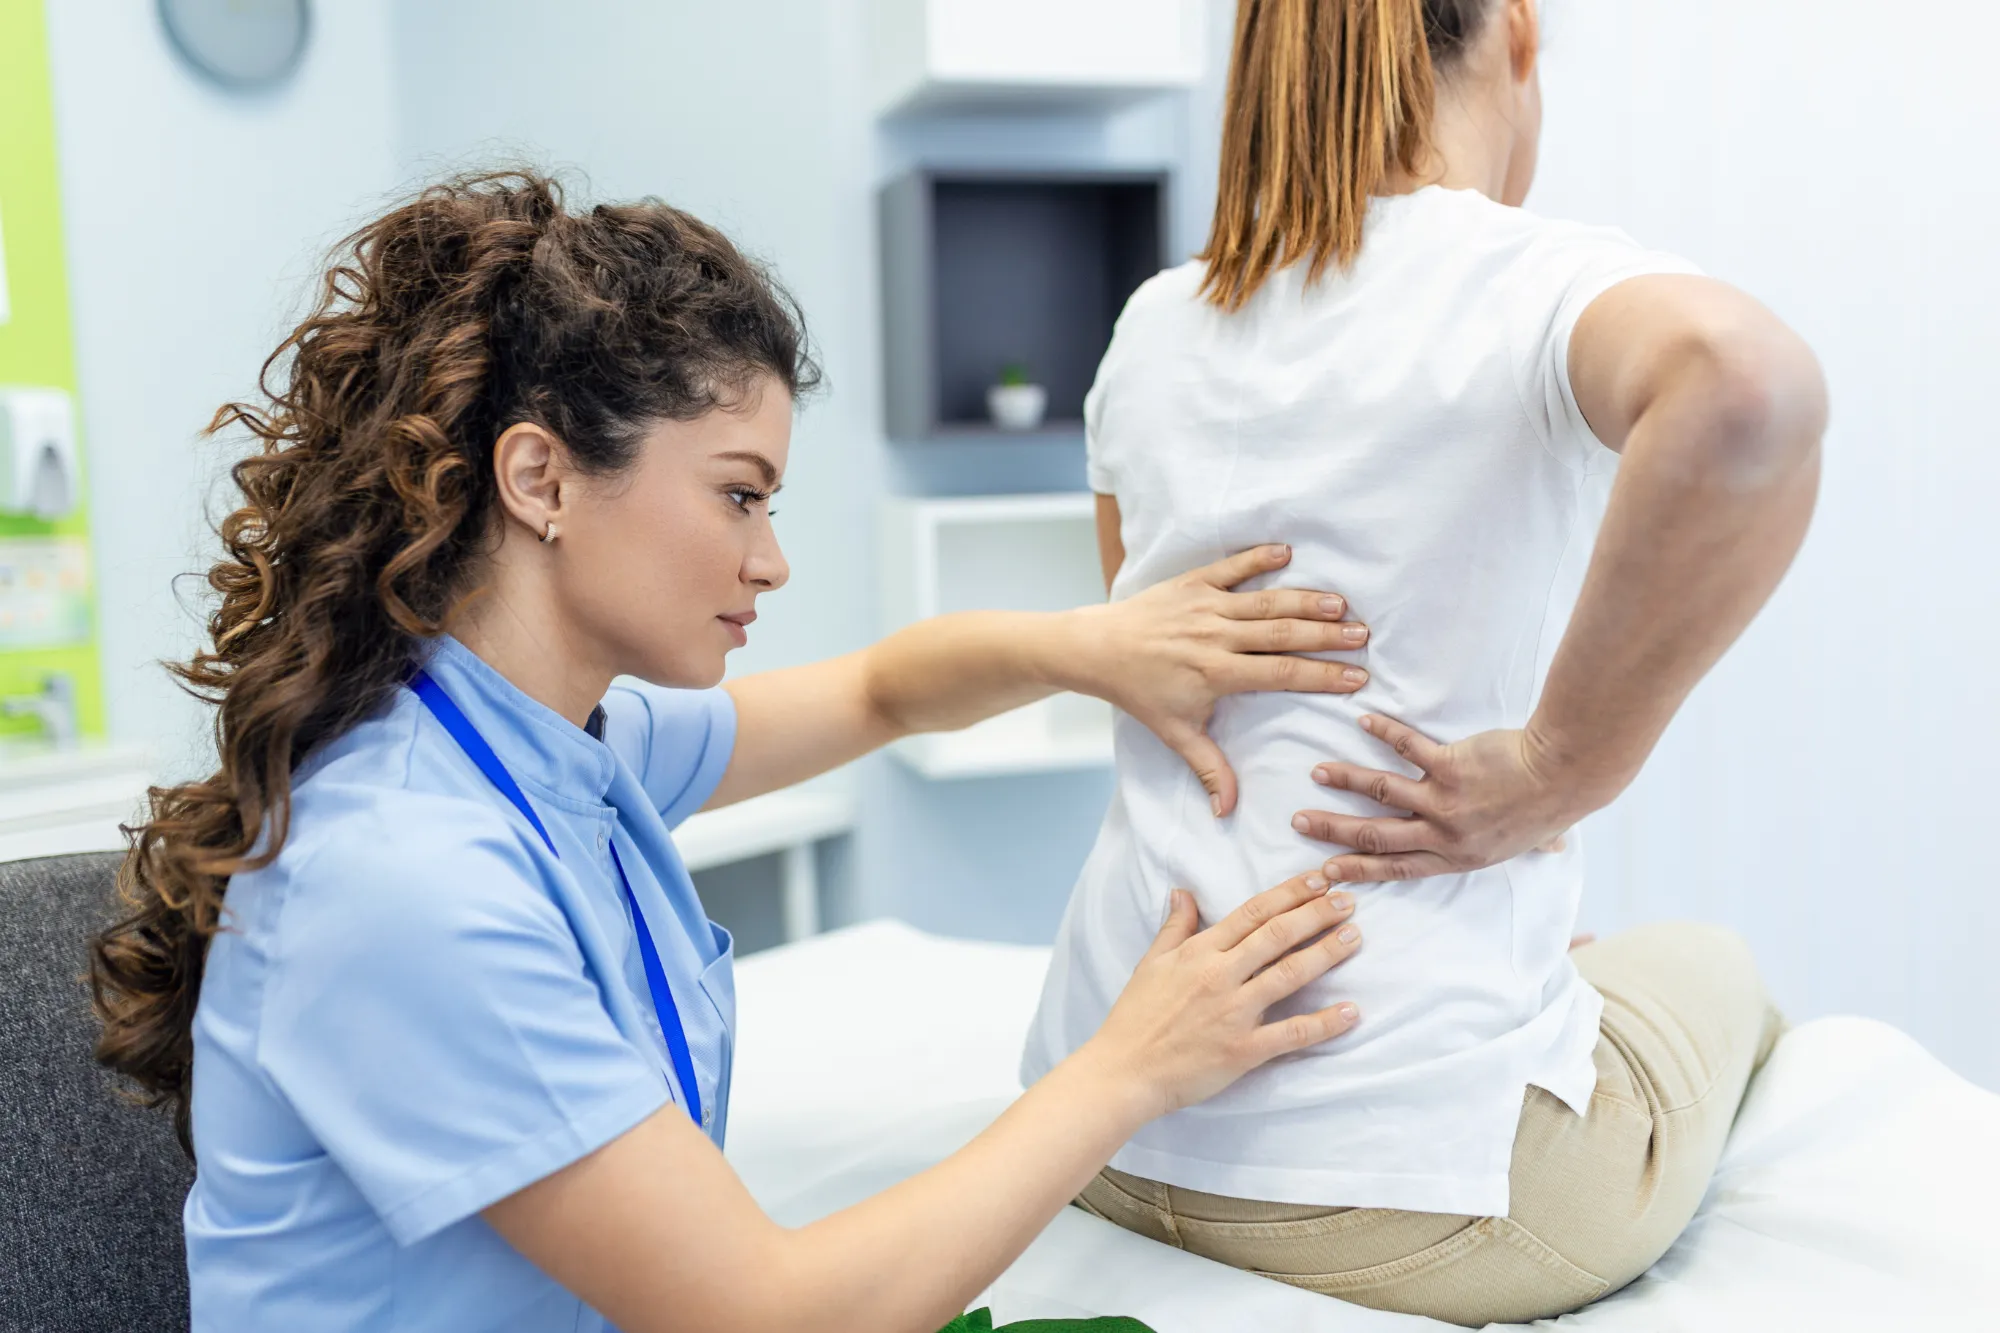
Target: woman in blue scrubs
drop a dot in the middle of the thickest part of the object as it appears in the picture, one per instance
(445, 1026)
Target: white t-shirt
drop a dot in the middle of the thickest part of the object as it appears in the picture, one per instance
(1409, 428)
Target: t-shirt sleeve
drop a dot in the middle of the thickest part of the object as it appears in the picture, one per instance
(679, 742)
(432, 1022)
(1566, 269)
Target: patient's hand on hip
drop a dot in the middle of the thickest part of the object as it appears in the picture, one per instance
(1481, 801)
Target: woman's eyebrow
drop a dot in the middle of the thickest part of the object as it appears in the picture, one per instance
(756, 460)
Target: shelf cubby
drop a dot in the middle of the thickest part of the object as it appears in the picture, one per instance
(982, 270)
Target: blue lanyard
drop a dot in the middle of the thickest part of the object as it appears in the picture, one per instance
(481, 754)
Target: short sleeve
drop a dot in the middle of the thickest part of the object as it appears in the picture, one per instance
(1097, 473)
(1566, 269)
(431, 1020)
(678, 742)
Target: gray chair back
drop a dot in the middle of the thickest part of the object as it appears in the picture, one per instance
(91, 1186)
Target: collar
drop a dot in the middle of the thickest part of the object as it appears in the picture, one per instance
(546, 753)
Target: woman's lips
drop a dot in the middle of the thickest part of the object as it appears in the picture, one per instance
(739, 625)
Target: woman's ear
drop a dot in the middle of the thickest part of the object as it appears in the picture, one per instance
(529, 467)
(1524, 38)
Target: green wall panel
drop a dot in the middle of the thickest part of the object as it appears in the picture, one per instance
(36, 346)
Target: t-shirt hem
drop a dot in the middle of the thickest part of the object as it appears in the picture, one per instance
(515, 1169)
(1474, 1196)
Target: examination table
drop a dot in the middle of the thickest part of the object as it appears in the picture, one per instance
(1860, 1188)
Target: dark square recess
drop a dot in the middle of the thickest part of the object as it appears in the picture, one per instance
(984, 270)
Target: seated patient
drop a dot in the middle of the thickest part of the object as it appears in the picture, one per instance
(1382, 361)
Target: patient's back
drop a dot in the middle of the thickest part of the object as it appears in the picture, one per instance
(1409, 429)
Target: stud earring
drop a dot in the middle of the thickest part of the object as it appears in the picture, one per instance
(549, 533)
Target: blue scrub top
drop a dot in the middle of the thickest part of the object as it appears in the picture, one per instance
(416, 1010)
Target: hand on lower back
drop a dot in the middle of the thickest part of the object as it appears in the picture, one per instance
(1481, 801)
(1166, 655)
(1191, 1020)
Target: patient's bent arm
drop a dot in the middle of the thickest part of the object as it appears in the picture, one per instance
(1718, 409)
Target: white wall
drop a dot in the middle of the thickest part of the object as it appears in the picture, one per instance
(1830, 790)
(193, 218)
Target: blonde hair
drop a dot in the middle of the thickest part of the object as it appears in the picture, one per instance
(1327, 100)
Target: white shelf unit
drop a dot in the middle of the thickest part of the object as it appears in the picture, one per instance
(57, 801)
(998, 553)
(1029, 54)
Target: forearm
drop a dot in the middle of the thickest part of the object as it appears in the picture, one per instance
(1711, 504)
(952, 671)
(936, 675)
(910, 1259)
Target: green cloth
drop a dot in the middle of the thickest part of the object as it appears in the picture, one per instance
(981, 1321)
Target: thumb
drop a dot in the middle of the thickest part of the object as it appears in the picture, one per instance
(1183, 920)
(1210, 767)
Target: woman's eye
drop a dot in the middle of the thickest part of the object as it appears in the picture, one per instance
(744, 497)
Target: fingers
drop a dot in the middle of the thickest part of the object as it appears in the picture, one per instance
(1247, 674)
(1286, 931)
(1303, 1030)
(1183, 920)
(1387, 869)
(1390, 789)
(1559, 843)
(1372, 837)
(1307, 963)
(1210, 766)
(1232, 570)
(1267, 906)
(1294, 635)
(1417, 748)
(1285, 604)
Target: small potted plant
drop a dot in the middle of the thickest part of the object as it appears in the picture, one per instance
(1016, 403)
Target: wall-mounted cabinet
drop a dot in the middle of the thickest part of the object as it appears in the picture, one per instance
(998, 553)
(984, 54)
(983, 271)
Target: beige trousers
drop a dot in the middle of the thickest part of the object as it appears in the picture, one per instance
(1594, 1200)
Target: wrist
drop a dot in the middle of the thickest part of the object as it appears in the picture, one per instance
(1110, 1080)
(1580, 782)
(1065, 650)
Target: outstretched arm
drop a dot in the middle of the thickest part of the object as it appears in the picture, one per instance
(1718, 409)
(1164, 656)
(655, 1231)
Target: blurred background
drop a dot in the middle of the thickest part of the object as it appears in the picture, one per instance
(960, 193)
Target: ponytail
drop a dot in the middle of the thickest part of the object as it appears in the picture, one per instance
(1327, 100)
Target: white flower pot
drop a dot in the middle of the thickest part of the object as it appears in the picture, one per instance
(1017, 406)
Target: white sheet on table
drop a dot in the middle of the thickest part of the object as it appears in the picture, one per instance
(1860, 1189)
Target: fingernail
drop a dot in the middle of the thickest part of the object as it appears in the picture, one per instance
(1355, 676)
(1342, 902)
(1368, 724)
(1215, 806)
(1316, 882)
(1348, 1013)
(1355, 633)
(1322, 776)
(1302, 824)
(1280, 553)
(1333, 606)
(1331, 871)
(1348, 934)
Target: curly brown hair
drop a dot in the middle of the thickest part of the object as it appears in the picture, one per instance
(370, 507)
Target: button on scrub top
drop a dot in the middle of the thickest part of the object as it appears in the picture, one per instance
(417, 1010)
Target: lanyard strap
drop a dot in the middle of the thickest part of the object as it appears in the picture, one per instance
(481, 754)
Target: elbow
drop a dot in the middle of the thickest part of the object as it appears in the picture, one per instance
(1752, 402)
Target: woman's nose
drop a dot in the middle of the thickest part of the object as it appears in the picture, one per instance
(767, 567)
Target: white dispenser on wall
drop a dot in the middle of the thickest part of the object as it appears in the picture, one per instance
(39, 475)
